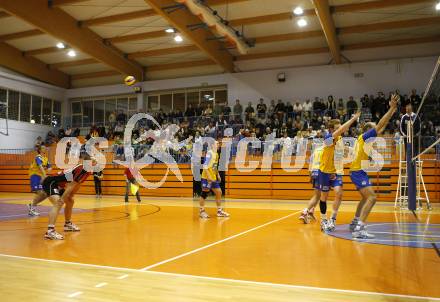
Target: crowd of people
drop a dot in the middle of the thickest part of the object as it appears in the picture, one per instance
(285, 120)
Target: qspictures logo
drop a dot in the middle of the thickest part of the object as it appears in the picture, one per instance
(68, 152)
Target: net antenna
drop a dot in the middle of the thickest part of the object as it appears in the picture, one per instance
(4, 130)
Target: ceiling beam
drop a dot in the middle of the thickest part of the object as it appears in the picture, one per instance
(289, 37)
(12, 58)
(388, 25)
(59, 24)
(162, 51)
(73, 63)
(180, 19)
(224, 2)
(120, 17)
(137, 37)
(286, 53)
(56, 3)
(389, 43)
(21, 34)
(98, 74)
(371, 5)
(42, 51)
(180, 65)
(322, 9)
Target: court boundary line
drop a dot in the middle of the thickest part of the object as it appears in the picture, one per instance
(224, 279)
(217, 242)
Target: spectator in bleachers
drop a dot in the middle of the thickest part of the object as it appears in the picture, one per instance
(271, 109)
(249, 111)
(307, 106)
(112, 119)
(289, 110)
(261, 109)
(121, 117)
(331, 106)
(352, 106)
(340, 108)
(238, 109)
(50, 138)
(415, 99)
(190, 111)
(297, 109)
(280, 109)
(227, 111)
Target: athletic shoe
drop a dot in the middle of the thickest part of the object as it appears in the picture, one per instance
(32, 211)
(331, 226)
(70, 227)
(53, 235)
(221, 213)
(204, 215)
(311, 215)
(304, 217)
(353, 224)
(360, 232)
(324, 225)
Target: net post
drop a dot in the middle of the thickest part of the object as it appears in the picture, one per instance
(411, 168)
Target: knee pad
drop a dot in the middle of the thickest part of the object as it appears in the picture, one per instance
(204, 194)
(323, 207)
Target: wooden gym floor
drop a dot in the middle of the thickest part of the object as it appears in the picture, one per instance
(160, 251)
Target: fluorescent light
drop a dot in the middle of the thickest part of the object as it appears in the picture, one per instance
(61, 45)
(32, 121)
(71, 53)
(298, 11)
(178, 38)
(437, 7)
(302, 22)
(170, 30)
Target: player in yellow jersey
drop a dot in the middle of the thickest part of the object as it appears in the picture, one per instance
(211, 182)
(37, 173)
(327, 171)
(360, 178)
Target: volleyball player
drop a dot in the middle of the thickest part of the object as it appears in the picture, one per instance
(360, 178)
(327, 171)
(37, 172)
(129, 180)
(60, 189)
(211, 182)
(308, 213)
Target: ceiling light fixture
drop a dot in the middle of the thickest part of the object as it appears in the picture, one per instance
(61, 45)
(437, 7)
(302, 22)
(170, 30)
(298, 11)
(71, 53)
(178, 38)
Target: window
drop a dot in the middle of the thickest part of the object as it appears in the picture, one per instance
(25, 105)
(153, 103)
(110, 107)
(56, 114)
(36, 109)
(76, 121)
(87, 118)
(179, 99)
(99, 112)
(3, 101)
(193, 98)
(122, 104)
(132, 107)
(166, 102)
(47, 111)
(76, 108)
(14, 106)
(221, 97)
(57, 106)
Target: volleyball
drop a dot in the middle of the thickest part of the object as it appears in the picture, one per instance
(130, 80)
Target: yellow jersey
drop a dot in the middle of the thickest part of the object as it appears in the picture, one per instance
(210, 167)
(316, 159)
(339, 157)
(327, 164)
(359, 150)
(39, 161)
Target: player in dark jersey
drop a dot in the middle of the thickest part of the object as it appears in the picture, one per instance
(60, 189)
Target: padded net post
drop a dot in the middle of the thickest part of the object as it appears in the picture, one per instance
(411, 169)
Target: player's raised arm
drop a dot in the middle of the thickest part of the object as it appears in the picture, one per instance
(386, 118)
(346, 125)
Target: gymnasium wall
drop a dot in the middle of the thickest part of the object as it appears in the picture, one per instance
(22, 135)
(302, 82)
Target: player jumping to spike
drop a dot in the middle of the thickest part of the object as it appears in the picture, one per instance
(360, 178)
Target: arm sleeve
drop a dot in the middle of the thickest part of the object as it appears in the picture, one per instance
(369, 134)
(38, 160)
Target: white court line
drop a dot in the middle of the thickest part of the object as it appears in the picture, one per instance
(224, 279)
(102, 284)
(75, 294)
(122, 277)
(217, 242)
